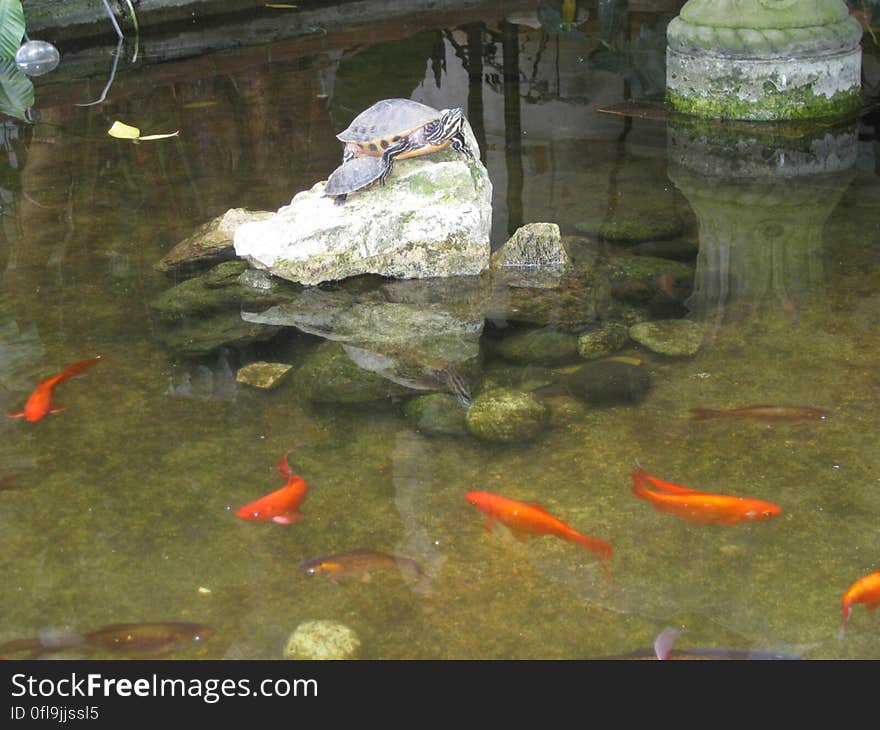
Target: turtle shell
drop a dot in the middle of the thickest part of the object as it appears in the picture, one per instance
(355, 174)
(387, 121)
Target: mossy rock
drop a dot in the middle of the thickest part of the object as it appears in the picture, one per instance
(608, 383)
(507, 415)
(437, 413)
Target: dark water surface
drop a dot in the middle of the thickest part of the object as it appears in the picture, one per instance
(123, 506)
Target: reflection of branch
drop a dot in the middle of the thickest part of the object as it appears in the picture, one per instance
(112, 74)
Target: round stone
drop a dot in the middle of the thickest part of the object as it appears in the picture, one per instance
(322, 639)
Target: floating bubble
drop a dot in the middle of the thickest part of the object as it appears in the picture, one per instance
(36, 58)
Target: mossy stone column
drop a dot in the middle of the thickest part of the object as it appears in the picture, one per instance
(764, 59)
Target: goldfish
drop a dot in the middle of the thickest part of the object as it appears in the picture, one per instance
(146, 639)
(865, 590)
(765, 413)
(523, 518)
(39, 403)
(282, 505)
(359, 562)
(701, 508)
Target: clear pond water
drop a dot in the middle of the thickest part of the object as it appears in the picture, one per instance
(121, 508)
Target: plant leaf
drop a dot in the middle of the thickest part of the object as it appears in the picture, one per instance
(126, 131)
(123, 131)
(11, 27)
(16, 90)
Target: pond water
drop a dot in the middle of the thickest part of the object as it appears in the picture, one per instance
(122, 507)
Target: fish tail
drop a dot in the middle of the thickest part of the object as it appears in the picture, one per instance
(284, 466)
(601, 549)
(77, 368)
(701, 414)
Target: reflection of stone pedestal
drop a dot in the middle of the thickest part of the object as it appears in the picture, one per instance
(761, 198)
(764, 59)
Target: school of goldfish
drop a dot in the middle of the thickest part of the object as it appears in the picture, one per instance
(282, 506)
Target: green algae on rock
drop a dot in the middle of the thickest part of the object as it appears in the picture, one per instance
(507, 415)
(764, 59)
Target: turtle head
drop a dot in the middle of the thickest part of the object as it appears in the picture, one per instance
(448, 124)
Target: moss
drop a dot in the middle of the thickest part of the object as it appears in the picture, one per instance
(797, 104)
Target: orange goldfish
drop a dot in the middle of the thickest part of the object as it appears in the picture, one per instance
(523, 518)
(282, 505)
(865, 590)
(701, 508)
(39, 403)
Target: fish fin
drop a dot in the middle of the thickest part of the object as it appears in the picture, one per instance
(664, 642)
(16, 414)
(519, 536)
(288, 518)
(55, 409)
(490, 523)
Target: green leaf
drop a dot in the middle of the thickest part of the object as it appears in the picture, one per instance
(16, 90)
(11, 27)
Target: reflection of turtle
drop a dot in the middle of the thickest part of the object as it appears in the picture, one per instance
(402, 128)
(356, 173)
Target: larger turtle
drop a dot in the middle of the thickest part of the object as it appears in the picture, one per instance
(400, 128)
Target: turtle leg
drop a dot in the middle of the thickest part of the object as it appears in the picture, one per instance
(340, 199)
(459, 144)
(388, 158)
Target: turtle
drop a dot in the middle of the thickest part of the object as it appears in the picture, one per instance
(354, 174)
(400, 128)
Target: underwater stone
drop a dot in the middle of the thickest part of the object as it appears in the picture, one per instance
(329, 375)
(437, 413)
(263, 375)
(645, 279)
(507, 415)
(209, 244)
(608, 383)
(322, 640)
(532, 245)
(541, 346)
(637, 227)
(603, 341)
(431, 218)
(675, 337)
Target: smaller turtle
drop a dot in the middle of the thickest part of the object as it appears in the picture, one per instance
(401, 128)
(356, 173)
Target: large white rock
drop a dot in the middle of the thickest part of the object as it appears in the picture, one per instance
(432, 218)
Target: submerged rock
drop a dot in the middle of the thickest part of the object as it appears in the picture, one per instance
(263, 375)
(507, 415)
(322, 639)
(608, 383)
(534, 245)
(329, 375)
(540, 346)
(603, 341)
(431, 218)
(437, 413)
(675, 337)
(210, 244)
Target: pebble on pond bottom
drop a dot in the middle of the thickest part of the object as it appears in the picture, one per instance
(322, 640)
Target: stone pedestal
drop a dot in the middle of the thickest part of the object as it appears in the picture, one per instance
(764, 59)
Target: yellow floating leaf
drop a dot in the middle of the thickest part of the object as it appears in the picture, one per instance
(126, 131)
(123, 131)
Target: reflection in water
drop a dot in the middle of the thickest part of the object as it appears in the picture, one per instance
(761, 212)
(785, 281)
